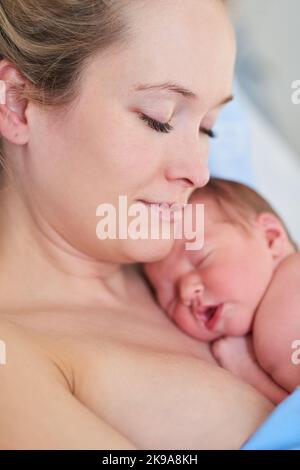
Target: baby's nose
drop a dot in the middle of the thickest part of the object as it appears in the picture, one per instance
(190, 289)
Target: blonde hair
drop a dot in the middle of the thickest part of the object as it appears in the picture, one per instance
(237, 202)
(50, 41)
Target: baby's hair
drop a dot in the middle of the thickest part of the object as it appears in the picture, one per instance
(237, 201)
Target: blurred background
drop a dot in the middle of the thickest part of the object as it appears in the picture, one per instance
(268, 34)
(265, 124)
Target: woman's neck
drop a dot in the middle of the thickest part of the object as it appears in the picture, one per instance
(38, 267)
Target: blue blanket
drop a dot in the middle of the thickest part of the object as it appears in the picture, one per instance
(281, 431)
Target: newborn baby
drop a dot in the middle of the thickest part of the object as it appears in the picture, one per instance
(241, 291)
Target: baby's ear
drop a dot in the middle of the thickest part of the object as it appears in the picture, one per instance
(274, 234)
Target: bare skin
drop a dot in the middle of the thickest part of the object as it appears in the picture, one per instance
(236, 354)
(92, 361)
(255, 278)
(118, 378)
(264, 359)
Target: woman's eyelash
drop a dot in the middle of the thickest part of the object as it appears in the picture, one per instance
(211, 134)
(166, 127)
(156, 125)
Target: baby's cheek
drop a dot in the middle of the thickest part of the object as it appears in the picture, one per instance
(166, 295)
(153, 274)
(233, 325)
(160, 298)
(224, 279)
(216, 279)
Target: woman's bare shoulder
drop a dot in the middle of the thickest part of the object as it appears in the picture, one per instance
(37, 408)
(23, 348)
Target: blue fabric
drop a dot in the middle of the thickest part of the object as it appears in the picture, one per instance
(230, 155)
(281, 431)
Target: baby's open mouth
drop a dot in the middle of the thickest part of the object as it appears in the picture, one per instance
(209, 314)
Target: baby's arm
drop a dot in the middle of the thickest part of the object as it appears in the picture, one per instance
(277, 324)
(236, 354)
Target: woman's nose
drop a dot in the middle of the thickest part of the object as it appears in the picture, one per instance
(190, 289)
(190, 167)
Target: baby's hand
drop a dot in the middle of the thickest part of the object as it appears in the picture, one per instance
(236, 354)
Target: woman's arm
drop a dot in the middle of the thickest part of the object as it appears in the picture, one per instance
(37, 409)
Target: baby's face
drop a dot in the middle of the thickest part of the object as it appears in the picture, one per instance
(215, 291)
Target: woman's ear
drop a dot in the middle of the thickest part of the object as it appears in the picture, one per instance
(274, 234)
(13, 122)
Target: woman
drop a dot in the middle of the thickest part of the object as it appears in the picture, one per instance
(92, 362)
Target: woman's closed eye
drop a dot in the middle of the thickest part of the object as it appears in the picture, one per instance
(165, 127)
(157, 125)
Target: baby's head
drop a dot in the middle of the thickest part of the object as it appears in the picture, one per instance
(215, 291)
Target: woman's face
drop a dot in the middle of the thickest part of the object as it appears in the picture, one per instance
(101, 147)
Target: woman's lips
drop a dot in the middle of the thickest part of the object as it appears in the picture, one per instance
(165, 210)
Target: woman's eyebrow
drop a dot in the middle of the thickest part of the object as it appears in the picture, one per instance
(177, 88)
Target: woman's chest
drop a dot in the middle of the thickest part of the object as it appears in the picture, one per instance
(142, 377)
(143, 380)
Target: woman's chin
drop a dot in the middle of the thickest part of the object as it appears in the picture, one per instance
(148, 251)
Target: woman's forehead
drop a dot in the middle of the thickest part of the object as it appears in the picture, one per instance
(187, 42)
(191, 43)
